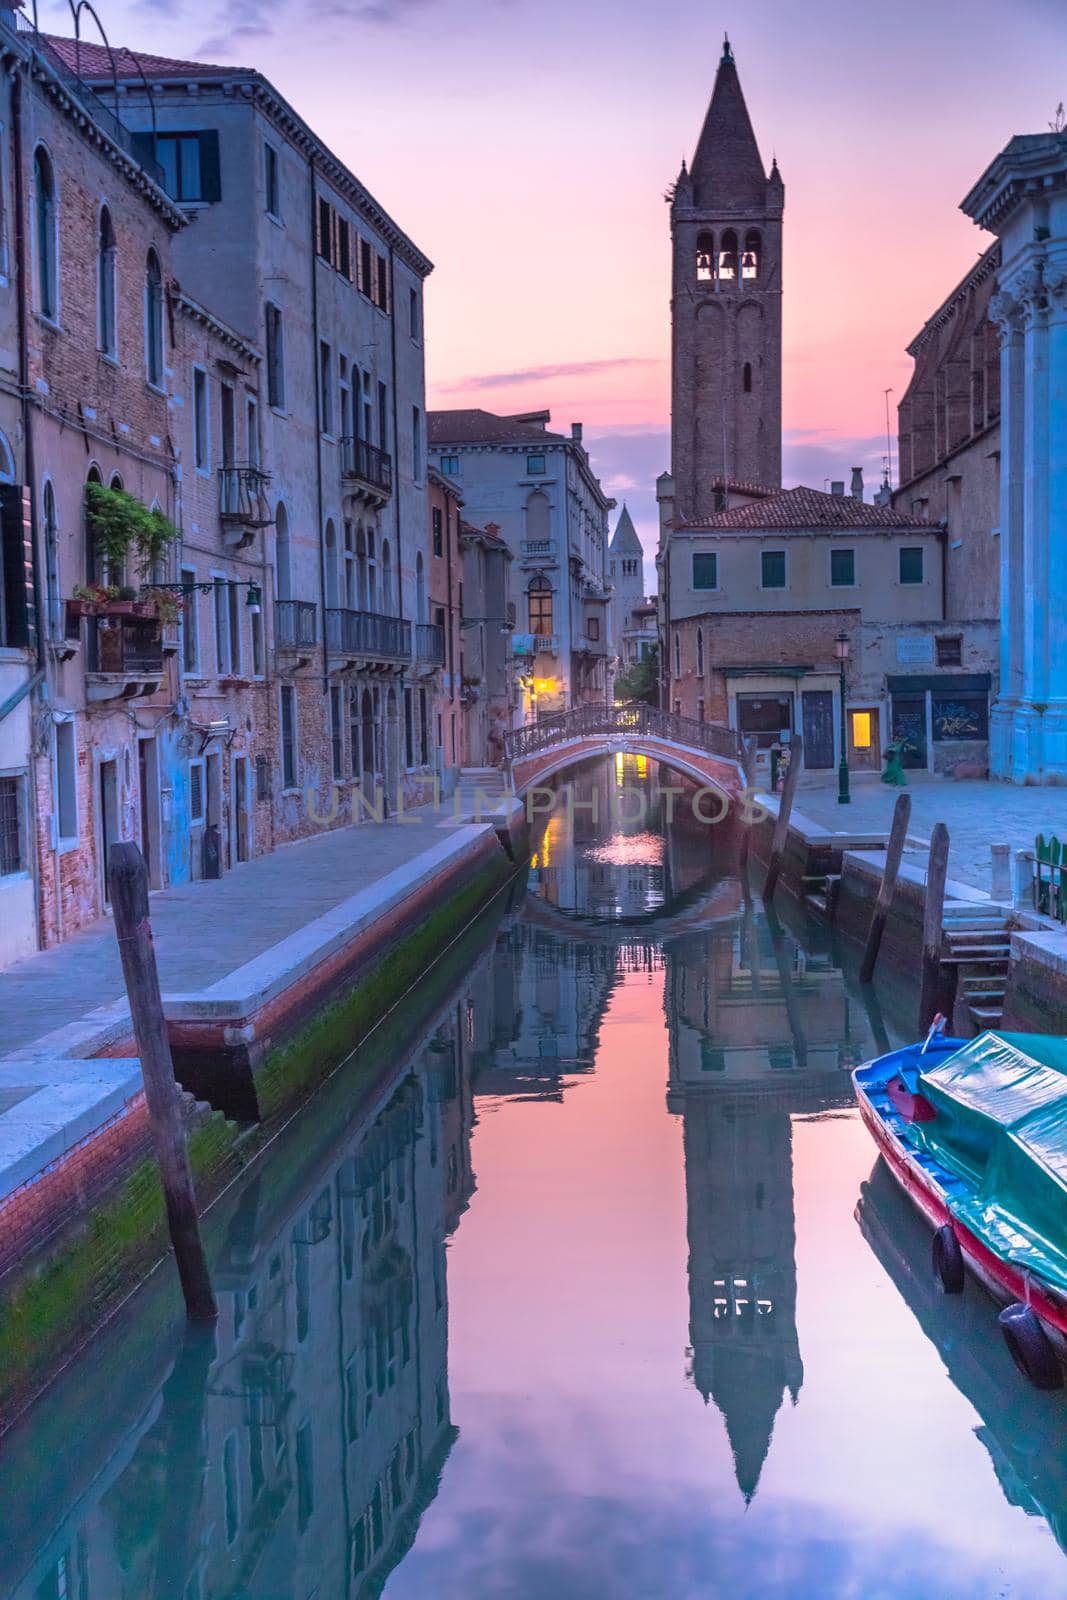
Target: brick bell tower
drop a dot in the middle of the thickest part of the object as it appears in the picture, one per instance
(726, 308)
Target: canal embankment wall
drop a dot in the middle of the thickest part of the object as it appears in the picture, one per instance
(81, 1207)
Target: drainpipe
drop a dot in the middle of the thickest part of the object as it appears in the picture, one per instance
(315, 378)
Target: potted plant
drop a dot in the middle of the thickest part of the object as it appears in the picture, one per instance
(121, 528)
(88, 598)
(161, 603)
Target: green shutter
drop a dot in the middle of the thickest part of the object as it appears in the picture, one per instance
(210, 170)
(17, 610)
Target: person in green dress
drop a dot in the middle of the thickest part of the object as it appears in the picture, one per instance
(894, 764)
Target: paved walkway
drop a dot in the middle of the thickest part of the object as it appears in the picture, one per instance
(205, 930)
(977, 814)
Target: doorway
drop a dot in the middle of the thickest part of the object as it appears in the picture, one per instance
(818, 715)
(864, 739)
(909, 727)
(108, 800)
(148, 790)
(241, 809)
(214, 835)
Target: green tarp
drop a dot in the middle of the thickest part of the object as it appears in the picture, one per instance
(1001, 1126)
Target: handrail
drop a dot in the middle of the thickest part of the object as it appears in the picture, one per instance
(18, 695)
(632, 721)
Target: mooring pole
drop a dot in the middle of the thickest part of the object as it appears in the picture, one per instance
(781, 826)
(894, 851)
(748, 765)
(933, 995)
(128, 877)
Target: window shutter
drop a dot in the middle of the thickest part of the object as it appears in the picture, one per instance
(144, 147)
(210, 171)
(17, 615)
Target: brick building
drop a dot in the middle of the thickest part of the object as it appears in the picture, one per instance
(492, 688)
(439, 617)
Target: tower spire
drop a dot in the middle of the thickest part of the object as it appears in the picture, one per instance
(727, 168)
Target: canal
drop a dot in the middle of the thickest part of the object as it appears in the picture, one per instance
(581, 1282)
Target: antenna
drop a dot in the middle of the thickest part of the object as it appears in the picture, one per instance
(888, 438)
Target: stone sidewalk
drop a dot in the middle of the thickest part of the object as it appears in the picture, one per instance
(976, 813)
(205, 930)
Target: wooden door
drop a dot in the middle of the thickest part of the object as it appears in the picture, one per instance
(864, 739)
(818, 711)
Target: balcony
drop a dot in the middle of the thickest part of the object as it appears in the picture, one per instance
(296, 627)
(243, 505)
(367, 468)
(537, 552)
(368, 634)
(535, 644)
(128, 659)
(430, 643)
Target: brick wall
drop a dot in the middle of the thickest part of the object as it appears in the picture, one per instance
(750, 639)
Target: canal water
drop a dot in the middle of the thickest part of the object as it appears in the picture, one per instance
(594, 1290)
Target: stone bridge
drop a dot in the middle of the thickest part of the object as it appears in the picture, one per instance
(704, 752)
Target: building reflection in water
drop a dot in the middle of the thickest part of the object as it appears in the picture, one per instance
(760, 1032)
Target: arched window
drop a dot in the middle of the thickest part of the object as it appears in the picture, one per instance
(367, 740)
(538, 516)
(750, 261)
(106, 331)
(421, 614)
(115, 571)
(387, 579)
(705, 257)
(51, 558)
(539, 596)
(44, 189)
(153, 319)
(700, 652)
(362, 599)
(728, 256)
(283, 576)
(331, 563)
(677, 656)
(746, 377)
(7, 462)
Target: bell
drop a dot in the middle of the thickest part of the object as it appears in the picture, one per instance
(748, 262)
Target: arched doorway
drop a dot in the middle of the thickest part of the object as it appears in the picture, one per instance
(392, 751)
(368, 750)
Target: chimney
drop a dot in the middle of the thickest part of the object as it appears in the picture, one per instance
(837, 486)
(857, 483)
(576, 432)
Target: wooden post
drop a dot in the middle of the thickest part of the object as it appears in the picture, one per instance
(128, 878)
(781, 826)
(894, 850)
(748, 764)
(933, 995)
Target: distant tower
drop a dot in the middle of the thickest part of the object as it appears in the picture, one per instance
(626, 573)
(726, 308)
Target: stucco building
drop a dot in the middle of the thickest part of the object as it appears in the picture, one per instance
(539, 490)
(492, 691)
(633, 618)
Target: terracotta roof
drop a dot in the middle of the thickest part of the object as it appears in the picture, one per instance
(802, 509)
(485, 427)
(92, 61)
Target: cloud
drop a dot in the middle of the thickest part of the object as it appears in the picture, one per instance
(565, 369)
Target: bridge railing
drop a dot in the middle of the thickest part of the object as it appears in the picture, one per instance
(633, 721)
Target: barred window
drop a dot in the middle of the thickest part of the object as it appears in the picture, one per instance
(10, 831)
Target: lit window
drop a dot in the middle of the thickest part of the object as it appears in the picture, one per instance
(861, 730)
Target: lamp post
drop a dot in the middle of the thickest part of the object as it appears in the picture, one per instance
(841, 646)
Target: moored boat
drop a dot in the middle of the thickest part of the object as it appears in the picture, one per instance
(975, 1133)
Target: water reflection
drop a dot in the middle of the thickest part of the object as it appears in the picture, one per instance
(665, 1344)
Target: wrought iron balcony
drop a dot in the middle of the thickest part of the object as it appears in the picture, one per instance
(243, 496)
(368, 633)
(430, 643)
(364, 463)
(295, 624)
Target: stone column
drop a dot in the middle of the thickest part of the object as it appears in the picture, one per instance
(1006, 312)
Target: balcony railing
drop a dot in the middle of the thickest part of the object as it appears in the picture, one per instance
(537, 550)
(368, 633)
(295, 624)
(365, 463)
(430, 643)
(126, 657)
(243, 496)
(534, 644)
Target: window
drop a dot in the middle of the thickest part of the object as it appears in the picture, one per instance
(705, 570)
(53, 603)
(283, 577)
(772, 569)
(700, 711)
(540, 597)
(842, 569)
(66, 782)
(382, 297)
(288, 731)
(190, 163)
(535, 466)
(450, 466)
(337, 734)
(106, 338)
(705, 262)
(862, 726)
(153, 320)
(416, 442)
(746, 377)
(10, 827)
(275, 351)
(950, 650)
(222, 628)
(959, 716)
(750, 261)
(325, 229)
(366, 257)
(414, 321)
(44, 189)
(383, 416)
(700, 655)
(325, 387)
(190, 626)
(271, 188)
(728, 256)
(677, 660)
(592, 628)
(911, 564)
(438, 522)
(201, 422)
(235, 608)
(197, 793)
(344, 248)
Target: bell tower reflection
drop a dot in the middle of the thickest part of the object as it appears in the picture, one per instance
(759, 1033)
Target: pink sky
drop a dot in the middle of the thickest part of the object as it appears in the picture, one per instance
(526, 147)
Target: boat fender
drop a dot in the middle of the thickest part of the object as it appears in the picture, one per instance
(1030, 1346)
(948, 1260)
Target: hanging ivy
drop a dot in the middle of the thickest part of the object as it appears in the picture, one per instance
(120, 526)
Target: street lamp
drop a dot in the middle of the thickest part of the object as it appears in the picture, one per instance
(841, 645)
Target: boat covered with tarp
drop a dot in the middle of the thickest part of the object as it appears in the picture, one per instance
(975, 1131)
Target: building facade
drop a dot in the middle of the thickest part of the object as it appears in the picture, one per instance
(633, 618)
(539, 490)
(492, 693)
(439, 624)
(1022, 198)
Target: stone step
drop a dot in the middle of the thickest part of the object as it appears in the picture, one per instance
(976, 958)
(986, 1016)
(989, 991)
